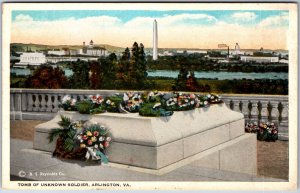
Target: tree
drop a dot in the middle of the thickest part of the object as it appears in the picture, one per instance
(47, 77)
(109, 71)
(191, 83)
(95, 75)
(80, 77)
(180, 82)
(132, 69)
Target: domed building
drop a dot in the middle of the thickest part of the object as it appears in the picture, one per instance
(92, 50)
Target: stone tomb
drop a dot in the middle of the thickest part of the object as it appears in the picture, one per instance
(210, 137)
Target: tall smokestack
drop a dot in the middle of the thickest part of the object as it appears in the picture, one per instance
(155, 40)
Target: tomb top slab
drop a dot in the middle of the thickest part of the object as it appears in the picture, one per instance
(153, 131)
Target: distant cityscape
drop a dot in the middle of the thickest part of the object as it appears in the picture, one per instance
(91, 52)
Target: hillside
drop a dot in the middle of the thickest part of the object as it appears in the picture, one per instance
(20, 47)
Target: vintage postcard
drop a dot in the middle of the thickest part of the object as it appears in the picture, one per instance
(144, 96)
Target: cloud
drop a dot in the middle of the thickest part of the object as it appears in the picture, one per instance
(243, 16)
(275, 21)
(181, 30)
(22, 18)
(168, 20)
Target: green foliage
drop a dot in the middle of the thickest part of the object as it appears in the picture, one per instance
(64, 122)
(111, 104)
(84, 106)
(80, 77)
(96, 75)
(97, 110)
(109, 70)
(66, 133)
(54, 133)
(148, 110)
(132, 69)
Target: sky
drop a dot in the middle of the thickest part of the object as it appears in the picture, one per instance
(199, 29)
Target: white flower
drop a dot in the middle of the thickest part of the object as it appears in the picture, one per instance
(100, 145)
(186, 100)
(66, 98)
(151, 94)
(208, 95)
(101, 138)
(156, 105)
(125, 97)
(108, 102)
(102, 127)
(205, 102)
(73, 102)
(212, 97)
(192, 102)
(108, 139)
(96, 146)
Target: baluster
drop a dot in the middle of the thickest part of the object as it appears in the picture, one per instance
(274, 112)
(36, 103)
(264, 111)
(254, 111)
(284, 124)
(24, 102)
(12, 102)
(43, 103)
(30, 102)
(12, 107)
(236, 105)
(245, 109)
(48, 103)
(55, 103)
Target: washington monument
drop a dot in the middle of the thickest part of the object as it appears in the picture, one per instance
(155, 40)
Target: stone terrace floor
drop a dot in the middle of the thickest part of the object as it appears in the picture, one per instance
(272, 164)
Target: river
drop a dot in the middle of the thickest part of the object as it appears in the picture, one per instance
(205, 74)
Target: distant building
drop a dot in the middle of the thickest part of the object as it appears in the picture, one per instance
(92, 50)
(31, 58)
(166, 53)
(55, 60)
(284, 61)
(248, 53)
(237, 50)
(196, 51)
(259, 59)
(56, 52)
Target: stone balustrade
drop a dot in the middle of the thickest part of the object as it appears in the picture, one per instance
(42, 104)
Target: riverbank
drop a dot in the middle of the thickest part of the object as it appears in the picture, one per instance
(260, 86)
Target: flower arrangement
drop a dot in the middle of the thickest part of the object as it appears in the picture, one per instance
(265, 131)
(84, 106)
(76, 140)
(68, 103)
(95, 139)
(132, 102)
(180, 101)
(146, 104)
(112, 103)
(214, 99)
